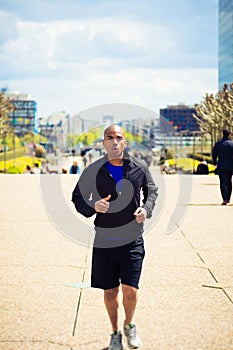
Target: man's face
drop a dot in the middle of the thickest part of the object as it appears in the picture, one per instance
(114, 142)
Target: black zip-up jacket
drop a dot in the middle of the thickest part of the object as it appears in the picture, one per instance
(223, 154)
(96, 182)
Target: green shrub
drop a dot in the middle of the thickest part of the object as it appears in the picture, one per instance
(10, 154)
(14, 170)
(199, 156)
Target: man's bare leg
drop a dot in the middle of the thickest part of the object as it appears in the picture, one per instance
(130, 299)
(111, 304)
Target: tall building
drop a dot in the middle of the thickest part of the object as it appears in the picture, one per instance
(80, 124)
(225, 43)
(178, 118)
(55, 128)
(23, 118)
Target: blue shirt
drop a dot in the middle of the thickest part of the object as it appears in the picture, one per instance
(117, 174)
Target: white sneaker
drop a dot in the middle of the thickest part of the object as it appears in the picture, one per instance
(116, 342)
(133, 339)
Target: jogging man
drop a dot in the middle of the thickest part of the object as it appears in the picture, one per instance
(112, 188)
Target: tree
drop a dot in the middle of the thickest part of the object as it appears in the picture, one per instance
(6, 106)
(215, 113)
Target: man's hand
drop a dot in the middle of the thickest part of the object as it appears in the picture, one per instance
(140, 215)
(102, 205)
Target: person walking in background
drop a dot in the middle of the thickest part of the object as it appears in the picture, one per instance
(28, 170)
(111, 188)
(75, 169)
(90, 156)
(223, 160)
(36, 169)
(202, 168)
(84, 158)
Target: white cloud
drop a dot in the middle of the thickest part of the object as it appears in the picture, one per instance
(39, 48)
(76, 64)
(153, 89)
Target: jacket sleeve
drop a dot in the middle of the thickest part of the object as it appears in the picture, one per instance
(215, 154)
(150, 192)
(82, 196)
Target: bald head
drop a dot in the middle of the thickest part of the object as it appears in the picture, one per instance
(114, 143)
(113, 129)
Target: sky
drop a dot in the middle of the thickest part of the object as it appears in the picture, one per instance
(72, 55)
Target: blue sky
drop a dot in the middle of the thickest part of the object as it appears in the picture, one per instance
(72, 55)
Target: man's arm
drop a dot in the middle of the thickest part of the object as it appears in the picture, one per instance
(215, 154)
(150, 193)
(82, 196)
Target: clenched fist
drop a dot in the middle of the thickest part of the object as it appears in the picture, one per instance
(140, 215)
(102, 205)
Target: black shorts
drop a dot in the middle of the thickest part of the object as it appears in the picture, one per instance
(112, 266)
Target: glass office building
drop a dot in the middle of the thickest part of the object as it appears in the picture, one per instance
(24, 117)
(225, 41)
(178, 119)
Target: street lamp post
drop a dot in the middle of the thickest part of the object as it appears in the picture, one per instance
(194, 150)
(4, 138)
(13, 137)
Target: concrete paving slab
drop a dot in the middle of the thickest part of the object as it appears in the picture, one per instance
(229, 291)
(42, 252)
(223, 273)
(24, 345)
(216, 255)
(37, 275)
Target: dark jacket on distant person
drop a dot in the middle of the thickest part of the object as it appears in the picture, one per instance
(223, 154)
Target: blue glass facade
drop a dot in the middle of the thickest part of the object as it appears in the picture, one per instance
(23, 118)
(225, 40)
(177, 119)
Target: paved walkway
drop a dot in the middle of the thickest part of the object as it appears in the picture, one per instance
(186, 292)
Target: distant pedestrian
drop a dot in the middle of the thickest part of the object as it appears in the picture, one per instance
(28, 170)
(164, 169)
(202, 168)
(223, 160)
(75, 169)
(36, 169)
(84, 161)
(162, 159)
(90, 155)
(44, 167)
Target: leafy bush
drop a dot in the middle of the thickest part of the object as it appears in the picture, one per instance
(14, 170)
(9, 154)
(199, 157)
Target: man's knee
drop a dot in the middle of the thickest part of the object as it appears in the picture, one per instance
(129, 292)
(111, 294)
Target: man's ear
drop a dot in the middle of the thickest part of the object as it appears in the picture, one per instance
(103, 144)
